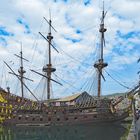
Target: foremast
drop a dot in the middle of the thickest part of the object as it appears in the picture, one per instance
(100, 64)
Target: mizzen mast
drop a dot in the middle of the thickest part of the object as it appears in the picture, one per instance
(100, 64)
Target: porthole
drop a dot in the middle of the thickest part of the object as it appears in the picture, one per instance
(49, 119)
(58, 119)
(95, 116)
(66, 119)
(75, 118)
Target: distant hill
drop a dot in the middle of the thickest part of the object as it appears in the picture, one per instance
(116, 94)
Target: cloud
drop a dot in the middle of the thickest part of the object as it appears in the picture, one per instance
(86, 2)
(26, 26)
(3, 32)
(3, 41)
(72, 39)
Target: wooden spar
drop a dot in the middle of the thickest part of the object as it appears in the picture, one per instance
(48, 69)
(46, 77)
(21, 71)
(20, 76)
(48, 41)
(99, 65)
(22, 81)
(49, 65)
(50, 25)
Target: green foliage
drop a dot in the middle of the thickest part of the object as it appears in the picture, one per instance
(128, 126)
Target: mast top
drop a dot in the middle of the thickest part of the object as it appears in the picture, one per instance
(102, 29)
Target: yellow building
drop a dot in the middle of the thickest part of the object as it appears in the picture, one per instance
(5, 108)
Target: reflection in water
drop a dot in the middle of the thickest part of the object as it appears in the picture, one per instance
(80, 132)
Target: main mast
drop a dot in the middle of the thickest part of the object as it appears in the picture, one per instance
(48, 68)
(100, 64)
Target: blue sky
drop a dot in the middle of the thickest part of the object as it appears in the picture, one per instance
(77, 39)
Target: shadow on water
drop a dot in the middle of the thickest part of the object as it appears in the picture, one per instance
(79, 132)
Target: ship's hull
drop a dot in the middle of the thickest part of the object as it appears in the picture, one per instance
(64, 118)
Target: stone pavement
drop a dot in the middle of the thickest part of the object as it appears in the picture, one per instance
(132, 134)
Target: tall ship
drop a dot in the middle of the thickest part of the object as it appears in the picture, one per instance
(76, 109)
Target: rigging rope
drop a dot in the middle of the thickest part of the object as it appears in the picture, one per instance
(77, 60)
(73, 83)
(65, 81)
(52, 92)
(74, 58)
(117, 81)
(1, 82)
(91, 86)
(120, 75)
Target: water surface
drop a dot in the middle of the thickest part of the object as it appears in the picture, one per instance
(79, 132)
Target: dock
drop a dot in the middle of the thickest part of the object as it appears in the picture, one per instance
(134, 131)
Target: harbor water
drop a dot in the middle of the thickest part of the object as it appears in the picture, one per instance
(79, 132)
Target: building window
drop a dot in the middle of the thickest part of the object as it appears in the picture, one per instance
(66, 119)
(95, 116)
(19, 118)
(71, 111)
(41, 119)
(33, 119)
(49, 119)
(90, 110)
(75, 118)
(58, 119)
(85, 116)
